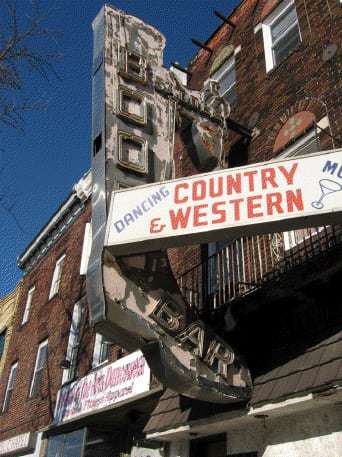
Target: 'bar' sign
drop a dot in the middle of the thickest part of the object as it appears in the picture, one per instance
(261, 198)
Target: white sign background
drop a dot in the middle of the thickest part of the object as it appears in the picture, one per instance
(17, 443)
(123, 379)
(261, 198)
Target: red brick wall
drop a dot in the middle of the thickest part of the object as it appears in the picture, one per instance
(301, 82)
(47, 319)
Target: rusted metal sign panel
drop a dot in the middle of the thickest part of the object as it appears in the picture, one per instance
(135, 301)
(268, 197)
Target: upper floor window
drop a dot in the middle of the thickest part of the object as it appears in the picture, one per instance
(226, 77)
(307, 144)
(101, 348)
(56, 279)
(39, 368)
(2, 342)
(28, 305)
(73, 344)
(10, 387)
(281, 33)
(86, 248)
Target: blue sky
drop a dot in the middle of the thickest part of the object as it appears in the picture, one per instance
(39, 167)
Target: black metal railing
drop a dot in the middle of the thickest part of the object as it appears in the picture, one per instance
(246, 263)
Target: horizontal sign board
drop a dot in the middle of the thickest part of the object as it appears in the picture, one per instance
(118, 381)
(260, 198)
(17, 445)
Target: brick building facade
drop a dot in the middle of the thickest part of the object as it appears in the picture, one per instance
(279, 64)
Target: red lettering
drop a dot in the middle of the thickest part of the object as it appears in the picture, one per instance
(237, 213)
(294, 200)
(234, 183)
(220, 212)
(268, 176)
(199, 214)
(216, 192)
(273, 202)
(250, 175)
(254, 204)
(289, 175)
(177, 190)
(199, 190)
(179, 219)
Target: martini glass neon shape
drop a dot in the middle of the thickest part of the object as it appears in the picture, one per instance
(327, 187)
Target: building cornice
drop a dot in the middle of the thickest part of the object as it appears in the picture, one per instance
(66, 214)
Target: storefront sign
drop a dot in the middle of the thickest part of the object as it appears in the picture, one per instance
(114, 383)
(268, 197)
(17, 445)
(146, 452)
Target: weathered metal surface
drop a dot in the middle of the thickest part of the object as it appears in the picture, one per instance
(135, 301)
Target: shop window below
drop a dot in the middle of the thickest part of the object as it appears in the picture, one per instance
(66, 445)
(211, 446)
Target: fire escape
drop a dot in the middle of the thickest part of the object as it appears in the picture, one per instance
(270, 295)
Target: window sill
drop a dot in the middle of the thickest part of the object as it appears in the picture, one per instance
(100, 365)
(50, 299)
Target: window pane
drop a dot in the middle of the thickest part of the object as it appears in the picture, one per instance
(2, 342)
(73, 444)
(55, 446)
(230, 95)
(13, 377)
(286, 44)
(42, 357)
(228, 80)
(10, 386)
(104, 351)
(283, 23)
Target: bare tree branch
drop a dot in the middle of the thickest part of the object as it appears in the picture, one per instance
(20, 37)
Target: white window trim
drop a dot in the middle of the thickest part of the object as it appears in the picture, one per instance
(292, 148)
(225, 68)
(40, 347)
(56, 278)
(99, 342)
(73, 341)
(8, 389)
(290, 152)
(86, 248)
(267, 35)
(28, 305)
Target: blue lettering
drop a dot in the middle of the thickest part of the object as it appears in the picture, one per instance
(330, 167)
(119, 225)
(128, 218)
(156, 198)
(137, 212)
(143, 205)
(164, 192)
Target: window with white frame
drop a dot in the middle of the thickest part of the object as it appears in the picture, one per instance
(307, 144)
(73, 344)
(86, 248)
(281, 33)
(101, 348)
(226, 77)
(56, 278)
(3, 334)
(39, 368)
(28, 305)
(10, 387)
